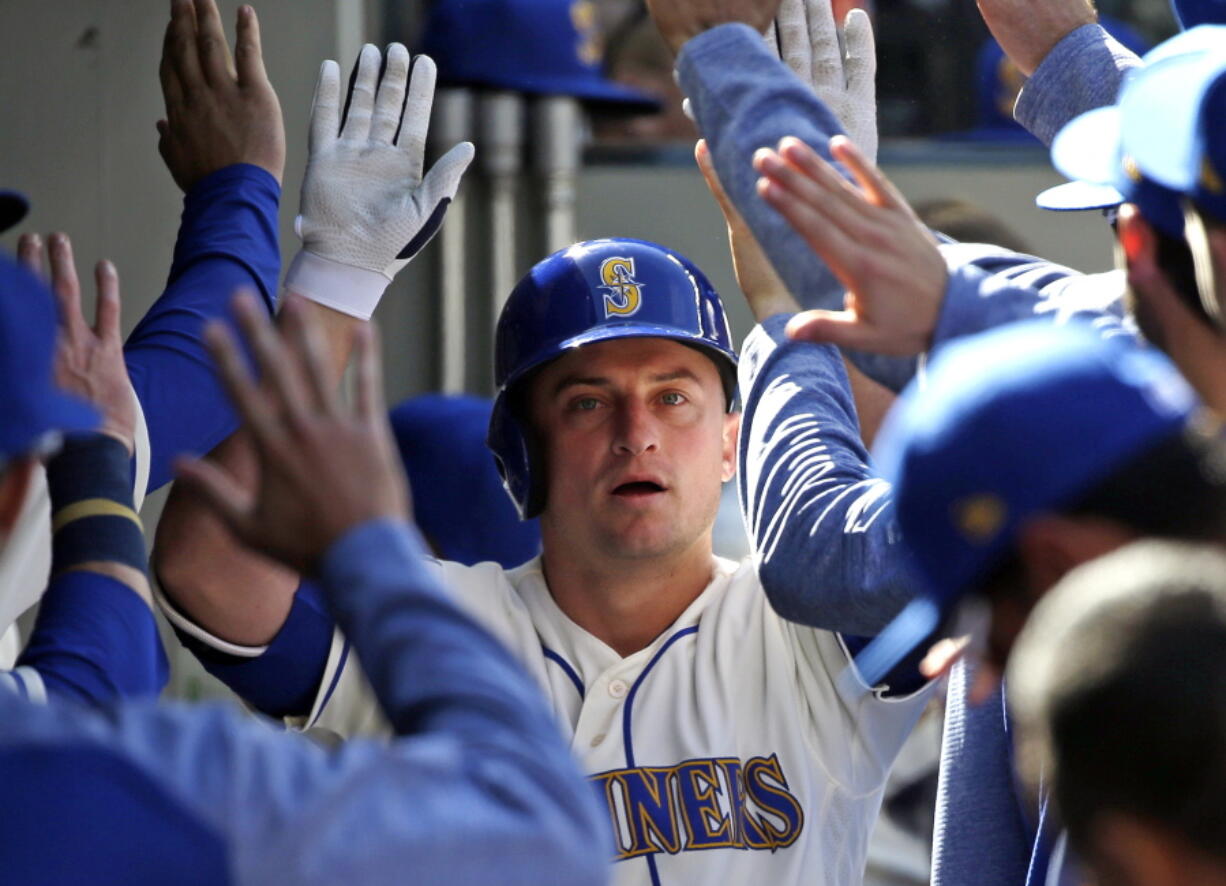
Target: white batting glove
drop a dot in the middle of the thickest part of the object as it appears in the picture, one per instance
(366, 208)
(841, 68)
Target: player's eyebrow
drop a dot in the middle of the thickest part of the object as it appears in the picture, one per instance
(675, 375)
(571, 381)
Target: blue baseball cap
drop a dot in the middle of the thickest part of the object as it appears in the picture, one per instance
(1165, 137)
(546, 47)
(35, 411)
(1190, 13)
(1013, 423)
(458, 500)
(13, 208)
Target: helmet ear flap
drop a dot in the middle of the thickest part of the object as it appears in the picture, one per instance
(517, 454)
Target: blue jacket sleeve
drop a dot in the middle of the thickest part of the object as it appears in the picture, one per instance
(478, 787)
(227, 240)
(821, 523)
(990, 286)
(744, 99)
(95, 641)
(1082, 72)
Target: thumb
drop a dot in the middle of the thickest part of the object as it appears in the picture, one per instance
(443, 179)
(438, 189)
(842, 328)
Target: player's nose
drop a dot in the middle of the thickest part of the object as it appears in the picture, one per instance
(636, 430)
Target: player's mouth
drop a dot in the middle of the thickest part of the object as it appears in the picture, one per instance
(638, 490)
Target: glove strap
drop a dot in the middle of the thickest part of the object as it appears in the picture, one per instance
(345, 288)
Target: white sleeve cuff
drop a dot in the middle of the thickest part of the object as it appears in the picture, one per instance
(345, 288)
(189, 627)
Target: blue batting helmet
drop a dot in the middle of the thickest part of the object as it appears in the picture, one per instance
(594, 291)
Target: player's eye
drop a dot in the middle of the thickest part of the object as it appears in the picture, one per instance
(672, 398)
(584, 404)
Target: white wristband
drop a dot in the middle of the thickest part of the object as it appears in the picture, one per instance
(345, 288)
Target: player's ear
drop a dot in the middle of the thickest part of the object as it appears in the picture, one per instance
(732, 433)
(1138, 242)
(15, 480)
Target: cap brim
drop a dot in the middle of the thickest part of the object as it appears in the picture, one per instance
(53, 414)
(1162, 132)
(1077, 196)
(13, 208)
(1088, 148)
(918, 620)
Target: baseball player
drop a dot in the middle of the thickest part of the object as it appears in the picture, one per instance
(1119, 670)
(705, 721)
(668, 670)
(227, 239)
(475, 787)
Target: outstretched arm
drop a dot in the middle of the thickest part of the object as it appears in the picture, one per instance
(821, 522)
(1071, 63)
(477, 787)
(368, 206)
(94, 639)
(907, 294)
(224, 144)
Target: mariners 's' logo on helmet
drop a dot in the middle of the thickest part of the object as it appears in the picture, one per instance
(623, 294)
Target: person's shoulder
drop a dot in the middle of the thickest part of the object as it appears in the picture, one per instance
(482, 577)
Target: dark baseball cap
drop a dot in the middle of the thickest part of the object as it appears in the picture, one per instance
(35, 410)
(545, 47)
(1010, 424)
(13, 208)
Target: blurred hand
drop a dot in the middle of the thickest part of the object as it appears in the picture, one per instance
(324, 467)
(220, 110)
(840, 67)
(870, 238)
(1027, 30)
(88, 360)
(681, 20)
(764, 291)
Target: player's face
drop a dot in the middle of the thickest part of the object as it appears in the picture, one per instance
(637, 444)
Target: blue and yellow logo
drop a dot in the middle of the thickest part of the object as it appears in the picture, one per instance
(711, 803)
(623, 294)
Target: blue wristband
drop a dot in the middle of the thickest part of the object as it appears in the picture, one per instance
(92, 518)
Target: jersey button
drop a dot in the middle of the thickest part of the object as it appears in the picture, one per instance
(618, 688)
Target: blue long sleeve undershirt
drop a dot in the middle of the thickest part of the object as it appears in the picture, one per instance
(227, 241)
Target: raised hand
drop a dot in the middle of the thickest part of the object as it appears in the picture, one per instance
(681, 20)
(841, 68)
(88, 360)
(1027, 30)
(220, 110)
(368, 204)
(764, 291)
(872, 240)
(324, 467)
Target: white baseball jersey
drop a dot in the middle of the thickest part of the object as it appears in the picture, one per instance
(727, 751)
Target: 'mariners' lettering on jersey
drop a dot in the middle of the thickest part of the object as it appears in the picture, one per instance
(701, 804)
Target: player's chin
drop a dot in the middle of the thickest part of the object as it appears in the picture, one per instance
(643, 538)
